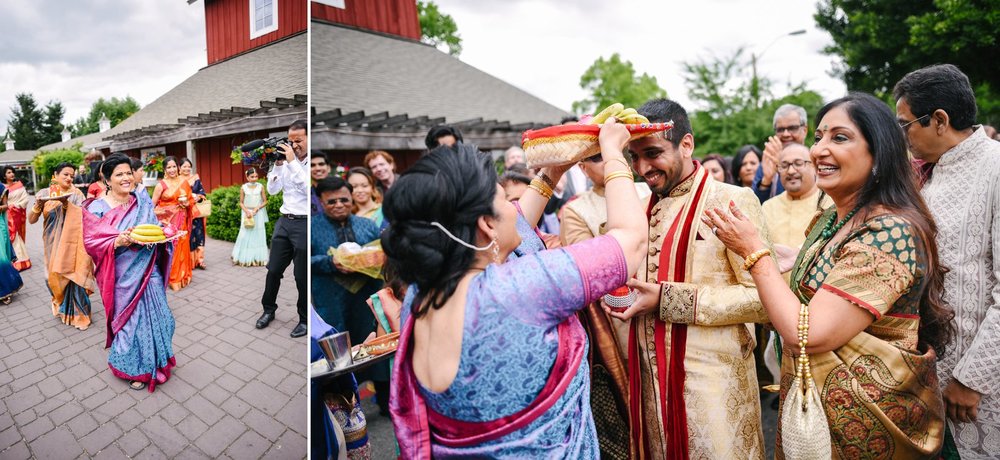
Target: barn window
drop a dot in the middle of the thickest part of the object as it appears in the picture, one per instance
(263, 17)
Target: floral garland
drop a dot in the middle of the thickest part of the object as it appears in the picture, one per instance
(155, 163)
(340, 170)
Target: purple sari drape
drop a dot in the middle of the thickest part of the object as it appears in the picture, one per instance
(121, 292)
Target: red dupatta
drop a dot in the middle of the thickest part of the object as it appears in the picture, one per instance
(417, 425)
(674, 266)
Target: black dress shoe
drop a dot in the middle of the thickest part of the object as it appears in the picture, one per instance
(264, 320)
(299, 331)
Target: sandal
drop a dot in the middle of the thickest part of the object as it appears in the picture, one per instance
(6, 299)
(137, 385)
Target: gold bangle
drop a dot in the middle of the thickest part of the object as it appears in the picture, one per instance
(541, 188)
(616, 174)
(619, 159)
(546, 180)
(752, 259)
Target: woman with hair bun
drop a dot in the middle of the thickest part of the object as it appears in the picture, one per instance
(491, 358)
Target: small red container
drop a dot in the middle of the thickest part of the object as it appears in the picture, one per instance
(620, 299)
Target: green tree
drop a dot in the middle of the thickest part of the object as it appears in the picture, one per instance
(614, 80)
(52, 127)
(25, 123)
(46, 162)
(727, 113)
(117, 110)
(881, 40)
(438, 29)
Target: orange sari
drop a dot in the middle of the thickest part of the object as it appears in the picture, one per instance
(170, 211)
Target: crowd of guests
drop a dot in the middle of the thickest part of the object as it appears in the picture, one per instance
(864, 257)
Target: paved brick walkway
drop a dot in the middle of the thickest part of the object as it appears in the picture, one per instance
(237, 392)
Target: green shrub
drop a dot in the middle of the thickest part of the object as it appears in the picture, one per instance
(227, 217)
(45, 162)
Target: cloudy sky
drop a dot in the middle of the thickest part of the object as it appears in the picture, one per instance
(544, 47)
(78, 51)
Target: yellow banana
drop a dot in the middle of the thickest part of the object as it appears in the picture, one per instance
(603, 115)
(146, 239)
(635, 119)
(626, 113)
(148, 232)
(148, 227)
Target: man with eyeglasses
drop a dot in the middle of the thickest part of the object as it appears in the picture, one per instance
(936, 108)
(338, 293)
(288, 241)
(789, 127)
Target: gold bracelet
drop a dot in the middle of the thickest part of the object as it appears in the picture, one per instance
(752, 259)
(616, 174)
(546, 180)
(619, 159)
(541, 188)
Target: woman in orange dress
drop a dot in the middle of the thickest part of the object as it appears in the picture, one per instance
(173, 200)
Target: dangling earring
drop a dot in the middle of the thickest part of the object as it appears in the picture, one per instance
(496, 250)
(875, 173)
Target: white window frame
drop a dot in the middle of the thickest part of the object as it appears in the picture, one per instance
(254, 32)
(333, 3)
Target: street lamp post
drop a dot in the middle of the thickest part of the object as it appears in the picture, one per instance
(755, 83)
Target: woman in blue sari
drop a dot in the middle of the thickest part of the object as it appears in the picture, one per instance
(492, 358)
(10, 279)
(132, 280)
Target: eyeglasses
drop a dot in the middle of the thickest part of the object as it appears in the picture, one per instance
(799, 164)
(333, 201)
(789, 129)
(906, 125)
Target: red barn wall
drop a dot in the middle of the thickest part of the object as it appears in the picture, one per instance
(396, 17)
(227, 26)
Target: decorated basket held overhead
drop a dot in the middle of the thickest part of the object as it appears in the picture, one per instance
(564, 144)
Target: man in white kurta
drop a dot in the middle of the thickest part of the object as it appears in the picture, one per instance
(961, 173)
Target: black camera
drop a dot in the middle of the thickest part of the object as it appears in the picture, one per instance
(264, 151)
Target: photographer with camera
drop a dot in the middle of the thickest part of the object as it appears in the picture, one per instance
(289, 242)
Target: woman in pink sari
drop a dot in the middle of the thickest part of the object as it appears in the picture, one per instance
(132, 280)
(491, 358)
(173, 200)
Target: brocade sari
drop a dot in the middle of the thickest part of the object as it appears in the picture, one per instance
(132, 281)
(879, 391)
(169, 211)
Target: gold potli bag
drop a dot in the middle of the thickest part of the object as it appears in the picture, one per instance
(805, 432)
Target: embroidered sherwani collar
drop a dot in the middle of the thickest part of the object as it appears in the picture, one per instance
(971, 144)
(685, 186)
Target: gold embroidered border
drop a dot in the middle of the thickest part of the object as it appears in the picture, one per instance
(678, 303)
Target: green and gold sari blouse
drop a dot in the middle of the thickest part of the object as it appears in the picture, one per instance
(879, 391)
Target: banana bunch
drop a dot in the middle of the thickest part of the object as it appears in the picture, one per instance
(147, 233)
(628, 116)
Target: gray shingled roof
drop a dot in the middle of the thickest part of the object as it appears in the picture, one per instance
(276, 70)
(354, 70)
(88, 139)
(17, 156)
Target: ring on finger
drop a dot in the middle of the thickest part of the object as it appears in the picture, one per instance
(715, 231)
